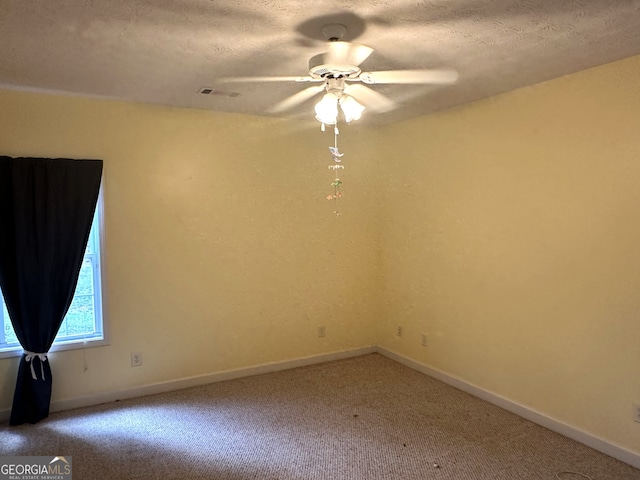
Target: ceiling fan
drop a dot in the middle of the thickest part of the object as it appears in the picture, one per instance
(338, 74)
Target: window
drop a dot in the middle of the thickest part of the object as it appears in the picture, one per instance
(83, 322)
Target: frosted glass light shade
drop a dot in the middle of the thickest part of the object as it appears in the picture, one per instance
(327, 109)
(351, 108)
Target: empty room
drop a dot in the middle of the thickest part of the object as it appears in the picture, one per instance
(320, 240)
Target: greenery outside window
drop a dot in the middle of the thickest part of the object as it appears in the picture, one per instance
(83, 323)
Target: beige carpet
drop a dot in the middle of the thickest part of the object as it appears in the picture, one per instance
(362, 418)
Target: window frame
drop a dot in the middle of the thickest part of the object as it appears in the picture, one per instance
(72, 344)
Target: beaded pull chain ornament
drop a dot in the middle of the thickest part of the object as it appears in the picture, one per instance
(336, 167)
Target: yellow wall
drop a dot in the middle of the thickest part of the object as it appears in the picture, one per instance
(512, 239)
(506, 230)
(221, 248)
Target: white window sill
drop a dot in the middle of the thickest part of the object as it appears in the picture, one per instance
(58, 347)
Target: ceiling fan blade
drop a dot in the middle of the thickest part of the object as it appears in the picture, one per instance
(346, 53)
(266, 79)
(443, 77)
(296, 99)
(370, 98)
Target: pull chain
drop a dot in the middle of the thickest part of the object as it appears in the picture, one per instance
(336, 167)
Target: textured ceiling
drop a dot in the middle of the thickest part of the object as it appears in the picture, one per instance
(164, 51)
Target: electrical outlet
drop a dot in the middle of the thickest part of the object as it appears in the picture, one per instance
(399, 331)
(636, 412)
(424, 340)
(136, 359)
(322, 331)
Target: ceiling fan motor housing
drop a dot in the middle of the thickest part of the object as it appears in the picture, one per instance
(319, 67)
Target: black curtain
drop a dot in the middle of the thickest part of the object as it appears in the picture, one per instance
(46, 210)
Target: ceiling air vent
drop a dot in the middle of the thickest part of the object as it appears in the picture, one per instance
(213, 91)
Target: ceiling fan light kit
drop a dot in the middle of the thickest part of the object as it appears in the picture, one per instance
(327, 108)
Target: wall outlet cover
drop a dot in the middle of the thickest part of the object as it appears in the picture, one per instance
(136, 359)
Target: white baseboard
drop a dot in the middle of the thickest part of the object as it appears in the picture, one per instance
(171, 385)
(604, 446)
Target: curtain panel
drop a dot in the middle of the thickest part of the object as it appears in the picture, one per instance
(46, 211)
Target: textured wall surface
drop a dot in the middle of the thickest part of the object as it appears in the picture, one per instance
(221, 250)
(511, 239)
(505, 230)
